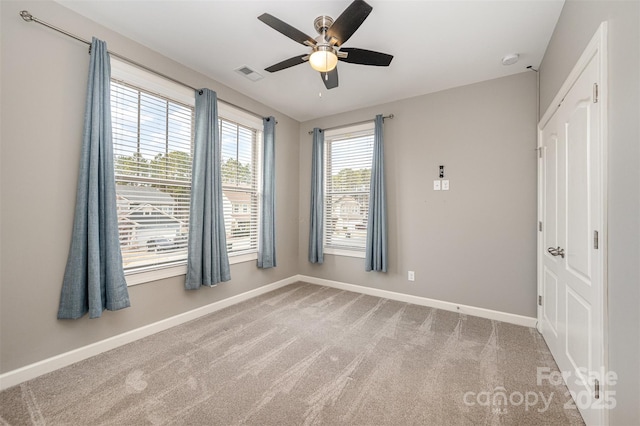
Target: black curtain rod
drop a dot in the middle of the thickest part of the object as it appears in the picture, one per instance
(390, 117)
(28, 17)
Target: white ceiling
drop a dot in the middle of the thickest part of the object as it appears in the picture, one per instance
(436, 44)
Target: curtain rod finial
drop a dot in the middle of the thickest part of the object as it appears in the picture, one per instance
(26, 15)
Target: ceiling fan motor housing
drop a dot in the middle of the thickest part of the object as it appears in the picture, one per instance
(322, 24)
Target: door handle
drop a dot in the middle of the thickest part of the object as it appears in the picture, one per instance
(556, 251)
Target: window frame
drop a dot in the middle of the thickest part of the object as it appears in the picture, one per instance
(147, 81)
(329, 136)
(234, 115)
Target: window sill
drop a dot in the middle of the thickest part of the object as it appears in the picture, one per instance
(240, 258)
(343, 252)
(135, 278)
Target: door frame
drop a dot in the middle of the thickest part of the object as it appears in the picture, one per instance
(597, 46)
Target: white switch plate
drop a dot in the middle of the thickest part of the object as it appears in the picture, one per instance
(411, 276)
(445, 185)
(436, 185)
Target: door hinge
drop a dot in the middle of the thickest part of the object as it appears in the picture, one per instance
(539, 152)
(595, 240)
(540, 226)
(595, 93)
(596, 389)
(540, 300)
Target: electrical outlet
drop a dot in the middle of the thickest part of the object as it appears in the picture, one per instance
(411, 276)
(436, 185)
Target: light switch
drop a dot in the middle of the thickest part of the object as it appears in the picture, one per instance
(436, 185)
(445, 185)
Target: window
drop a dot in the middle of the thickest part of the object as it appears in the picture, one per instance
(152, 141)
(153, 130)
(240, 171)
(348, 158)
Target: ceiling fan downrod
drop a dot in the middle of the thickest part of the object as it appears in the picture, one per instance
(322, 24)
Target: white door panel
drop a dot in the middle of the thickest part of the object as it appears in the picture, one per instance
(578, 339)
(578, 217)
(550, 218)
(550, 307)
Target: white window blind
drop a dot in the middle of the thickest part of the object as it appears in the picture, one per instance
(240, 171)
(152, 140)
(348, 158)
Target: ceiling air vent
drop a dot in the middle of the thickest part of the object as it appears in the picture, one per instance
(249, 73)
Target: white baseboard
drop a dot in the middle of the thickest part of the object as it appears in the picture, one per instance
(425, 301)
(48, 365)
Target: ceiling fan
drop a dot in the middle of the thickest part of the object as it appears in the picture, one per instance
(326, 49)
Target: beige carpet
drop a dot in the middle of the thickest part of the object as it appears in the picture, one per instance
(305, 355)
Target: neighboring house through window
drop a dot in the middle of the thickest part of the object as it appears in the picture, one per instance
(348, 157)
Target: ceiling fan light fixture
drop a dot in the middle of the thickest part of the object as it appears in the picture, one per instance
(323, 59)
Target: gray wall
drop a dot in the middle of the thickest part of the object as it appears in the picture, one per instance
(44, 78)
(474, 244)
(577, 24)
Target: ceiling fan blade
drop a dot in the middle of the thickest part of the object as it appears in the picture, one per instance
(366, 57)
(348, 22)
(288, 63)
(330, 79)
(286, 29)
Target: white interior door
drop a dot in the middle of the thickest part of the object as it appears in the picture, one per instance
(571, 256)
